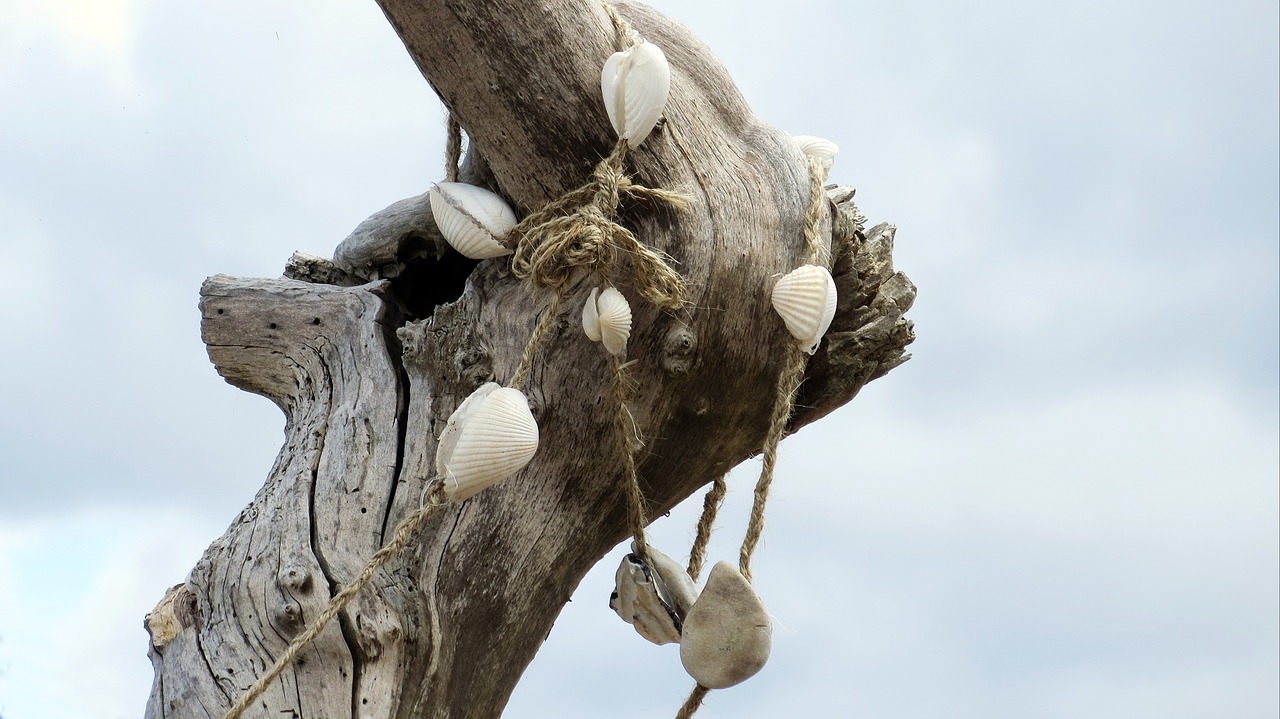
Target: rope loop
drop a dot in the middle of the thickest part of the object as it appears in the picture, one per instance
(581, 230)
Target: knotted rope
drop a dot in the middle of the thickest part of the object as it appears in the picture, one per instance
(632, 442)
(580, 230)
(710, 507)
(452, 149)
(405, 532)
(691, 705)
(540, 332)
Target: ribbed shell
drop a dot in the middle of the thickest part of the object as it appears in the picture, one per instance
(820, 149)
(606, 317)
(635, 84)
(653, 599)
(491, 436)
(470, 218)
(727, 635)
(674, 586)
(806, 300)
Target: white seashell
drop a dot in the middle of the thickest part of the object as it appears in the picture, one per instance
(675, 585)
(470, 218)
(591, 316)
(606, 317)
(491, 436)
(654, 599)
(727, 635)
(635, 84)
(806, 300)
(820, 149)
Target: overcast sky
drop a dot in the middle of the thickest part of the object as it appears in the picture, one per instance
(1064, 506)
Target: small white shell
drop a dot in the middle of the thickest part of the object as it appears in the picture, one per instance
(470, 218)
(635, 84)
(491, 436)
(820, 149)
(654, 599)
(806, 300)
(728, 634)
(606, 317)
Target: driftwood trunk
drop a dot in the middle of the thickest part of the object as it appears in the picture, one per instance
(369, 353)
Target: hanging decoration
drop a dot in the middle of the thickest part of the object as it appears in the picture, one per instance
(724, 630)
(728, 640)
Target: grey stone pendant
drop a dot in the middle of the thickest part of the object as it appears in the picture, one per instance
(727, 634)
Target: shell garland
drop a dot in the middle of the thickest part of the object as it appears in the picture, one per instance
(724, 632)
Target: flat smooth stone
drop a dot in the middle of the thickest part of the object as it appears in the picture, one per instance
(727, 634)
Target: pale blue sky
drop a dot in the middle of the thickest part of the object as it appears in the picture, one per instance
(1064, 506)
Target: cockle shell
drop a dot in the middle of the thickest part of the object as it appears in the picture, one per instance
(819, 149)
(491, 436)
(606, 317)
(635, 84)
(727, 634)
(653, 598)
(806, 299)
(470, 218)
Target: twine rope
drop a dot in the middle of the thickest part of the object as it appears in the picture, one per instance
(626, 34)
(788, 382)
(819, 251)
(580, 229)
(540, 332)
(690, 706)
(710, 507)
(632, 442)
(819, 254)
(453, 149)
(783, 401)
(405, 532)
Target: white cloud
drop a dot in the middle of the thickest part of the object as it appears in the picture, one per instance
(94, 37)
(1167, 462)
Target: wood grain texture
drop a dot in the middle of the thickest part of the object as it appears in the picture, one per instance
(367, 376)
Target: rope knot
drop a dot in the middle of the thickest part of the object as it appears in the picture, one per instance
(580, 229)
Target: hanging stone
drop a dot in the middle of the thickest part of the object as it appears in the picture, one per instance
(727, 634)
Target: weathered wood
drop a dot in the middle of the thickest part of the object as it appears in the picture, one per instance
(367, 375)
